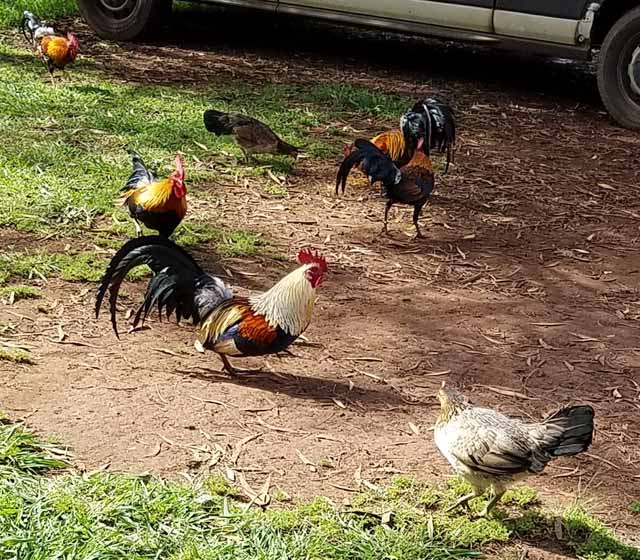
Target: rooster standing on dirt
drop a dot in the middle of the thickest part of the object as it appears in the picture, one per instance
(253, 136)
(230, 325)
(490, 450)
(412, 184)
(158, 204)
(56, 51)
(441, 127)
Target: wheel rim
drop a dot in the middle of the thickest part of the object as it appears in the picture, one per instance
(634, 71)
(118, 9)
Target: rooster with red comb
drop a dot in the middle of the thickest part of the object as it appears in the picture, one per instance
(261, 324)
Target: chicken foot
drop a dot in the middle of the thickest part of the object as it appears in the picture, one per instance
(462, 502)
(490, 504)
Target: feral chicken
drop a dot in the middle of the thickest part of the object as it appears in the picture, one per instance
(412, 184)
(399, 145)
(441, 127)
(55, 50)
(159, 204)
(253, 136)
(491, 450)
(265, 323)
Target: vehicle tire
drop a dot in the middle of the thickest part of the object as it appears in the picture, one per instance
(619, 70)
(123, 20)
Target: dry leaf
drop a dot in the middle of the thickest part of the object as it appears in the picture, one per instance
(414, 428)
(338, 402)
(307, 462)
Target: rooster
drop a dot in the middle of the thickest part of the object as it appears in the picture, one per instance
(265, 323)
(412, 184)
(158, 204)
(55, 50)
(400, 145)
(253, 136)
(491, 450)
(441, 127)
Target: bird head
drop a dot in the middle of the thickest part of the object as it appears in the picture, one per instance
(177, 178)
(315, 266)
(451, 402)
(73, 43)
(414, 128)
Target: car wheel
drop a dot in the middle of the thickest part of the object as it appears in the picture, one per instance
(619, 70)
(124, 20)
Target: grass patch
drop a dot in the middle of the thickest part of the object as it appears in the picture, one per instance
(634, 507)
(16, 356)
(105, 515)
(348, 98)
(17, 292)
(11, 10)
(85, 266)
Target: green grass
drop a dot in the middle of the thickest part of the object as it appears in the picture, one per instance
(11, 10)
(634, 507)
(16, 356)
(49, 513)
(20, 291)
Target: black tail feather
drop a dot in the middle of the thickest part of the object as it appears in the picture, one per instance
(376, 164)
(178, 285)
(568, 431)
(441, 124)
(29, 24)
(141, 174)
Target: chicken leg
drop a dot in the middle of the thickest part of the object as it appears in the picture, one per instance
(416, 217)
(227, 365)
(385, 231)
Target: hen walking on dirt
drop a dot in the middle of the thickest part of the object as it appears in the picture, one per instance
(253, 136)
(55, 50)
(411, 185)
(265, 323)
(157, 204)
(491, 450)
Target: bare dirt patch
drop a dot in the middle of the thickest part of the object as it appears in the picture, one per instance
(525, 293)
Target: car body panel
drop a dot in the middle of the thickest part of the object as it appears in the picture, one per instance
(539, 28)
(565, 9)
(475, 15)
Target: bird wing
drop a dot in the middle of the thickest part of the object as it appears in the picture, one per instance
(153, 197)
(255, 133)
(490, 443)
(235, 316)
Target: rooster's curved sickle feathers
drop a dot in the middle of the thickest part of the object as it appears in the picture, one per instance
(229, 325)
(441, 127)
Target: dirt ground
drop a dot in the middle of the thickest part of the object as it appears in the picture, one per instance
(524, 293)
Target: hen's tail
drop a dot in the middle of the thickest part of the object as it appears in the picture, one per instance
(29, 25)
(568, 431)
(178, 285)
(217, 122)
(441, 127)
(140, 175)
(374, 163)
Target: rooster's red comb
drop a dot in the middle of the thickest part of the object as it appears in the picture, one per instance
(307, 256)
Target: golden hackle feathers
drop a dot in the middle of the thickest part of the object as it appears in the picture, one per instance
(156, 197)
